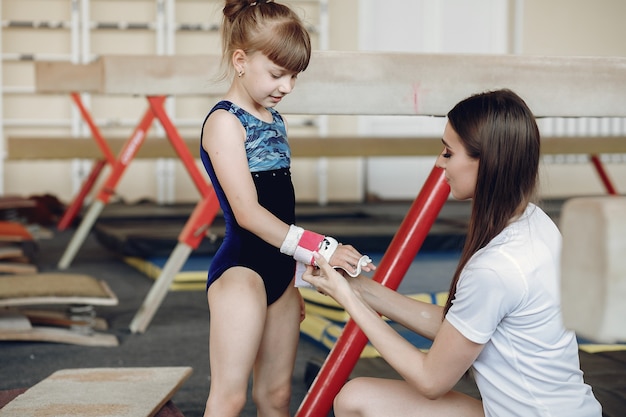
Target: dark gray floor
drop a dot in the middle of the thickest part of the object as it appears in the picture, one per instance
(178, 334)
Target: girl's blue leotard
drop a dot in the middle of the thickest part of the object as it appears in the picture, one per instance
(269, 159)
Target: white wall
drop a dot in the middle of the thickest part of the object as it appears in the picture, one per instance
(531, 27)
(554, 27)
(576, 27)
(422, 26)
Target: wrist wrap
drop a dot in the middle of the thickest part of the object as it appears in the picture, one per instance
(301, 244)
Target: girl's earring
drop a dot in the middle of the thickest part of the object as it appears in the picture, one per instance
(240, 73)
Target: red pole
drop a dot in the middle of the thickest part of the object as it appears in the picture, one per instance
(126, 156)
(97, 136)
(394, 264)
(604, 176)
(199, 180)
(77, 203)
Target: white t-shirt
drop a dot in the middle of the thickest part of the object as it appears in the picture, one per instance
(508, 299)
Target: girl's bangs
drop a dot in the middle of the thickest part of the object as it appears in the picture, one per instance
(289, 47)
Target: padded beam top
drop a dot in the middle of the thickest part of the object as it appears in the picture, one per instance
(370, 83)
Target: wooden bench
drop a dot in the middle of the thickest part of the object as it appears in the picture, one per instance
(121, 392)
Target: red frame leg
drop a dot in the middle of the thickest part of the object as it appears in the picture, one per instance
(193, 232)
(604, 176)
(127, 154)
(77, 203)
(396, 261)
(208, 207)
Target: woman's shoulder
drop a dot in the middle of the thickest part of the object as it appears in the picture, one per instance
(532, 232)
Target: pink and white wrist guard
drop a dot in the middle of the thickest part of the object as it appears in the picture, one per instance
(301, 244)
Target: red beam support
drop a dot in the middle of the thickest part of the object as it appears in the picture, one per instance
(77, 204)
(95, 132)
(393, 266)
(109, 158)
(207, 208)
(604, 176)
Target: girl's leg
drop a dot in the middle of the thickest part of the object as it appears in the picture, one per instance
(273, 369)
(386, 397)
(238, 307)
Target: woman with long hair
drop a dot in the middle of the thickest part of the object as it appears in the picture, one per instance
(502, 318)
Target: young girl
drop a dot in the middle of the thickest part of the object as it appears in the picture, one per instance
(503, 316)
(254, 306)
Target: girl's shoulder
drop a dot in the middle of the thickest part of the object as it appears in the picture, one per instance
(225, 105)
(246, 118)
(229, 109)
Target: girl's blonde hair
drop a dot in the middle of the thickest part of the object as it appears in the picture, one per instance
(267, 27)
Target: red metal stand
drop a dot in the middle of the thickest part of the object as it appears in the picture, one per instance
(207, 208)
(77, 204)
(192, 233)
(604, 176)
(208, 203)
(394, 264)
(96, 170)
(127, 154)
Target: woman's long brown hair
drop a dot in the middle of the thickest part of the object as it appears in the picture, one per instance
(499, 130)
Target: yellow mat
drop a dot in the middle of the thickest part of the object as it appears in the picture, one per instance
(325, 320)
(192, 277)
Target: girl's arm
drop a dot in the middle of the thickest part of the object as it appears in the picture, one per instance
(224, 140)
(433, 373)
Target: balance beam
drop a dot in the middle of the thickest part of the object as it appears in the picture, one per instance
(46, 148)
(369, 83)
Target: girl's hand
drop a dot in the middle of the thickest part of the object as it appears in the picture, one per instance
(348, 258)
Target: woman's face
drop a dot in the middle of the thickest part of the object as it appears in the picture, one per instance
(461, 170)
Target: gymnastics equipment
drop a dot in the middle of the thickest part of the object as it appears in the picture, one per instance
(593, 267)
(122, 392)
(23, 316)
(385, 84)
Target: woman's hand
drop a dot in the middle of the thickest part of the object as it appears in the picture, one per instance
(350, 260)
(326, 279)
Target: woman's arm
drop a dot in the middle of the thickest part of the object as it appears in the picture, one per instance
(433, 373)
(420, 317)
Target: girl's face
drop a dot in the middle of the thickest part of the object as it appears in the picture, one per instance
(266, 82)
(461, 170)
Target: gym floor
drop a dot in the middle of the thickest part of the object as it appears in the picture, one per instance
(178, 334)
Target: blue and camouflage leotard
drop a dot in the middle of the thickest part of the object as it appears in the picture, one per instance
(269, 160)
